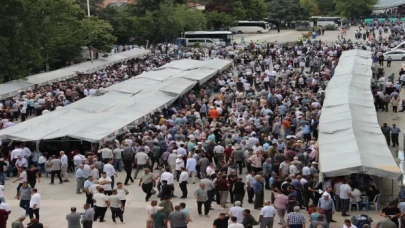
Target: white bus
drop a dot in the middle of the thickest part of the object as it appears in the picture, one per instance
(251, 27)
(323, 21)
(223, 36)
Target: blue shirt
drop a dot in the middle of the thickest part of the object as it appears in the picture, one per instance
(305, 129)
(257, 186)
(81, 174)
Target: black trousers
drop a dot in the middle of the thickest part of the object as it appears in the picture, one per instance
(128, 170)
(231, 195)
(394, 138)
(239, 197)
(89, 199)
(147, 188)
(183, 188)
(88, 224)
(116, 212)
(56, 172)
(33, 212)
(206, 207)
(32, 183)
(240, 165)
(123, 205)
(250, 194)
(388, 138)
(99, 212)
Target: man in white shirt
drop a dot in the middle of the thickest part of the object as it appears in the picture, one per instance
(106, 153)
(306, 171)
(64, 167)
(35, 204)
(21, 162)
(167, 176)
(183, 181)
(179, 165)
(16, 152)
(105, 181)
(101, 203)
(191, 165)
(234, 223)
(345, 195)
(267, 214)
(141, 161)
(110, 172)
(78, 159)
(237, 211)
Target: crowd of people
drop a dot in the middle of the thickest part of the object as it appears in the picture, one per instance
(248, 133)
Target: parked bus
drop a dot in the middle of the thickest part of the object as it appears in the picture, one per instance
(323, 21)
(251, 27)
(223, 36)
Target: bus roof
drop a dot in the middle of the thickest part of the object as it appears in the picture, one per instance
(208, 32)
(254, 21)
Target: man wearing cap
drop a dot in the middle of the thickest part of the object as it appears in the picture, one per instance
(328, 206)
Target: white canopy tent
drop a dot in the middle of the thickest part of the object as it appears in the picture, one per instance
(12, 88)
(111, 112)
(350, 138)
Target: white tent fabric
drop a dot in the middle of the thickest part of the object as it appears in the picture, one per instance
(12, 88)
(350, 138)
(112, 111)
(189, 64)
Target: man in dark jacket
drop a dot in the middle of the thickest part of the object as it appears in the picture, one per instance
(248, 220)
(239, 190)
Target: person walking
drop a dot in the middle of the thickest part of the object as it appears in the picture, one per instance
(110, 171)
(222, 185)
(389, 60)
(64, 167)
(128, 159)
(22, 177)
(295, 219)
(267, 214)
(202, 198)
(35, 204)
(141, 161)
(122, 195)
(394, 135)
(81, 177)
(24, 195)
(116, 206)
(101, 204)
(281, 201)
(328, 206)
(87, 216)
(33, 176)
(147, 182)
(183, 181)
(55, 166)
(258, 191)
(73, 218)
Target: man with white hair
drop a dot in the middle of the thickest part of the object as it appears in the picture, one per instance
(327, 205)
(65, 164)
(237, 211)
(295, 219)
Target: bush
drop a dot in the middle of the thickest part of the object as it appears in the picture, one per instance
(330, 27)
(197, 44)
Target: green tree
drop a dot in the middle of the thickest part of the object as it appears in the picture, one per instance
(287, 10)
(20, 50)
(96, 6)
(353, 9)
(255, 10)
(326, 7)
(219, 20)
(98, 34)
(308, 8)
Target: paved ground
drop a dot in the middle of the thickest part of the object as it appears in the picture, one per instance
(57, 199)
